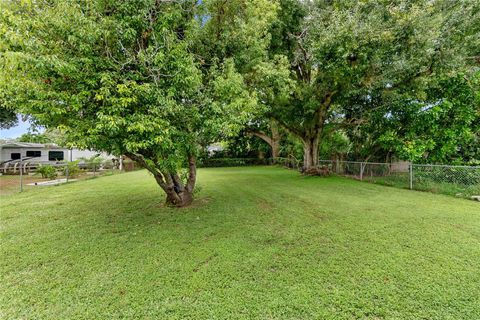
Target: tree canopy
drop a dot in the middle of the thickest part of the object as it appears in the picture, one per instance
(334, 54)
(134, 77)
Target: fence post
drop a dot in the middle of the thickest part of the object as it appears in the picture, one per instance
(361, 171)
(67, 171)
(411, 175)
(120, 165)
(21, 175)
(337, 169)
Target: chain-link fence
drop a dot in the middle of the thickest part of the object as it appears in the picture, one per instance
(455, 180)
(24, 175)
(461, 181)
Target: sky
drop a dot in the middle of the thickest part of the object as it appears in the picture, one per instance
(17, 131)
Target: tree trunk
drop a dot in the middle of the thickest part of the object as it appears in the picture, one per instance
(275, 140)
(310, 132)
(181, 199)
(178, 194)
(310, 152)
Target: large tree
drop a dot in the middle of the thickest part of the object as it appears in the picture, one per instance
(134, 77)
(267, 130)
(441, 128)
(337, 51)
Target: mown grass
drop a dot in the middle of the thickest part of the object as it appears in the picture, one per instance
(260, 242)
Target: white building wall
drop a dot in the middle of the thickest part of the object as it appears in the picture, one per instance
(74, 154)
(6, 153)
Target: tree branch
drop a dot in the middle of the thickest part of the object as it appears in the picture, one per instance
(263, 136)
(159, 176)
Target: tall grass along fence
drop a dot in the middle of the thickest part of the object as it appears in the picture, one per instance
(461, 181)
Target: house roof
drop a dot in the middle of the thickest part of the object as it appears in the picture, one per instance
(29, 145)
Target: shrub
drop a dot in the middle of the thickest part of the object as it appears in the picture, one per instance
(73, 169)
(47, 171)
(92, 163)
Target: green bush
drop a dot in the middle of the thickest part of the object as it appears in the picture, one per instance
(73, 169)
(47, 171)
(92, 163)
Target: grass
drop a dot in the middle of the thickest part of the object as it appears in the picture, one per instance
(260, 242)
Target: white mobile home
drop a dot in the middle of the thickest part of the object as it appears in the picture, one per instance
(40, 152)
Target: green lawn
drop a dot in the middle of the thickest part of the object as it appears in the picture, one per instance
(260, 242)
